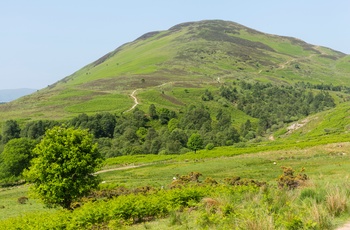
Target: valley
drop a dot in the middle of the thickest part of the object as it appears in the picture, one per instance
(206, 125)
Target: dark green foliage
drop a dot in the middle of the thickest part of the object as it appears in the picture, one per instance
(229, 93)
(274, 104)
(246, 127)
(16, 157)
(10, 130)
(152, 112)
(36, 129)
(207, 96)
(223, 120)
(194, 118)
(100, 124)
(165, 115)
(323, 86)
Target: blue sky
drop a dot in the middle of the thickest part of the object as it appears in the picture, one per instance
(43, 41)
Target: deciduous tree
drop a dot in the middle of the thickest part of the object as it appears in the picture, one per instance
(195, 142)
(63, 169)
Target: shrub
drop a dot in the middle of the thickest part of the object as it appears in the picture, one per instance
(289, 181)
(237, 181)
(22, 200)
(210, 146)
(180, 181)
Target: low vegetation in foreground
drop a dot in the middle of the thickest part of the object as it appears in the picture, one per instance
(250, 191)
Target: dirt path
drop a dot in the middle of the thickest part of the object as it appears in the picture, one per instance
(136, 102)
(119, 168)
(345, 227)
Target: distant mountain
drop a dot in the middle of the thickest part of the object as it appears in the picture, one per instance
(7, 95)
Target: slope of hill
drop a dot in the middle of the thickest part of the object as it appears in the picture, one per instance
(7, 95)
(194, 55)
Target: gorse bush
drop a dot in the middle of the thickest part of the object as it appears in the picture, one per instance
(289, 181)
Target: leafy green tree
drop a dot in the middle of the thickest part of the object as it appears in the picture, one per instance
(16, 157)
(152, 112)
(195, 142)
(194, 118)
(246, 127)
(63, 170)
(173, 147)
(138, 118)
(223, 120)
(207, 96)
(103, 125)
(173, 124)
(142, 133)
(151, 134)
(10, 130)
(165, 115)
(178, 135)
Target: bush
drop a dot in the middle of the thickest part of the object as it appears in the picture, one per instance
(210, 146)
(289, 181)
(22, 200)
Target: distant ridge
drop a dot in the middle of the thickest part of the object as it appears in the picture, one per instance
(7, 95)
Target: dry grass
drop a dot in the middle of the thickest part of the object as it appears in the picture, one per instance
(336, 201)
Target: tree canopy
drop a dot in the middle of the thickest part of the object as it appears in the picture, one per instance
(16, 157)
(195, 142)
(63, 169)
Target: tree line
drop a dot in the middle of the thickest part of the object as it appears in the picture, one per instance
(164, 131)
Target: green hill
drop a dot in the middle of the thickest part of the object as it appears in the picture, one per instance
(190, 56)
(211, 97)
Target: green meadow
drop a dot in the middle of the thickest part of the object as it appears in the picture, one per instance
(327, 168)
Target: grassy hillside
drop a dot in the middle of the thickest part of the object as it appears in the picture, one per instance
(192, 56)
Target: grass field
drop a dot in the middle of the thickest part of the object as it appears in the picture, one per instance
(319, 161)
(326, 165)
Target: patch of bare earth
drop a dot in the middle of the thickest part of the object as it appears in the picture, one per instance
(297, 125)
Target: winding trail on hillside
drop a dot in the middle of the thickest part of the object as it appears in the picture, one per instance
(136, 102)
(294, 59)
